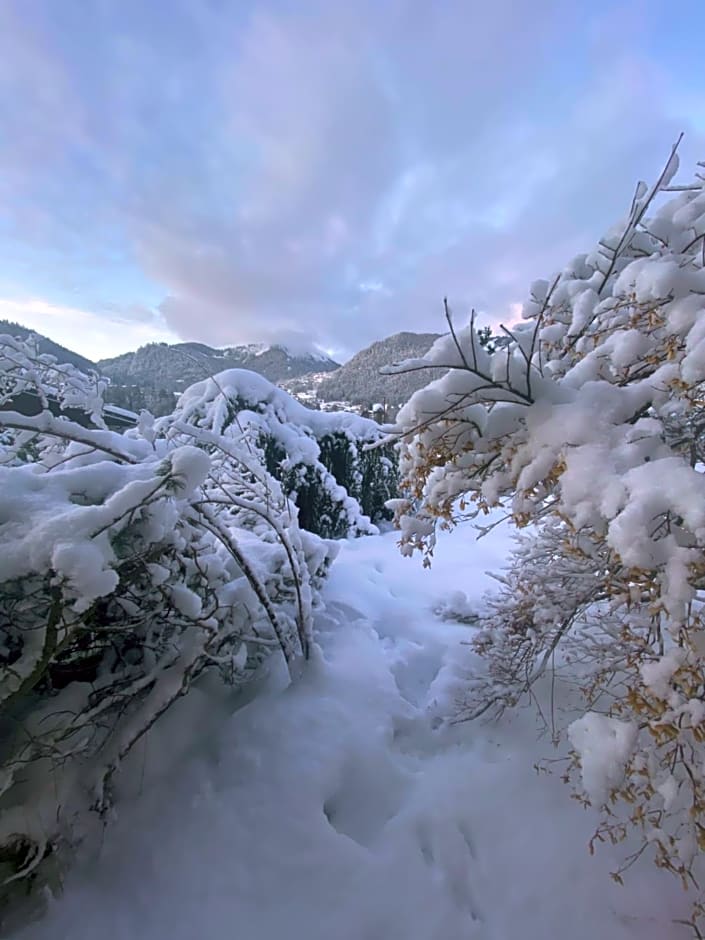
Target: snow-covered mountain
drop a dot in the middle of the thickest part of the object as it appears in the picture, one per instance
(183, 363)
(152, 375)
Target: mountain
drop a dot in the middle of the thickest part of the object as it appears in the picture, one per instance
(360, 383)
(182, 364)
(47, 345)
(152, 375)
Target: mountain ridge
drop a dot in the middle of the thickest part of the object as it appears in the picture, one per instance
(47, 345)
(274, 361)
(153, 375)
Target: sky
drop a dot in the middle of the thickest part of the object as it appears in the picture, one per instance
(318, 172)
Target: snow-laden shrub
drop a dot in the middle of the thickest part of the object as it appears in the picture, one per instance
(587, 426)
(40, 383)
(324, 460)
(130, 566)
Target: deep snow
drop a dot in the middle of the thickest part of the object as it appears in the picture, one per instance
(340, 808)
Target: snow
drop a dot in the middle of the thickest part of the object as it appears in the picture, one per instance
(657, 675)
(84, 565)
(342, 808)
(604, 745)
(185, 601)
(121, 412)
(190, 465)
(301, 350)
(254, 390)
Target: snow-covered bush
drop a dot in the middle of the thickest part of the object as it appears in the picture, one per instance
(42, 383)
(130, 565)
(587, 427)
(321, 458)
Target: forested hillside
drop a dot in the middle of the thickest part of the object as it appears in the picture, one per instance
(360, 381)
(153, 375)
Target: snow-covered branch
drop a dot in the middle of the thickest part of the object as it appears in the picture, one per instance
(587, 426)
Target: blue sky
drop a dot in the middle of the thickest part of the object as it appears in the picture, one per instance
(321, 173)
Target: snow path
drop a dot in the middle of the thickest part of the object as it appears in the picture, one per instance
(338, 809)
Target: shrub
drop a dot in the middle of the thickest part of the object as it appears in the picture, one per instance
(331, 464)
(131, 565)
(587, 426)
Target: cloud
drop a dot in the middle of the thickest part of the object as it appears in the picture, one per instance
(86, 333)
(412, 151)
(326, 172)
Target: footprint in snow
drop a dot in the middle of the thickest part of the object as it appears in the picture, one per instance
(415, 667)
(447, 849)
(415, 676)
(369, 794)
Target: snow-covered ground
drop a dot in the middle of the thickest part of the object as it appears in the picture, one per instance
(340, 808)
